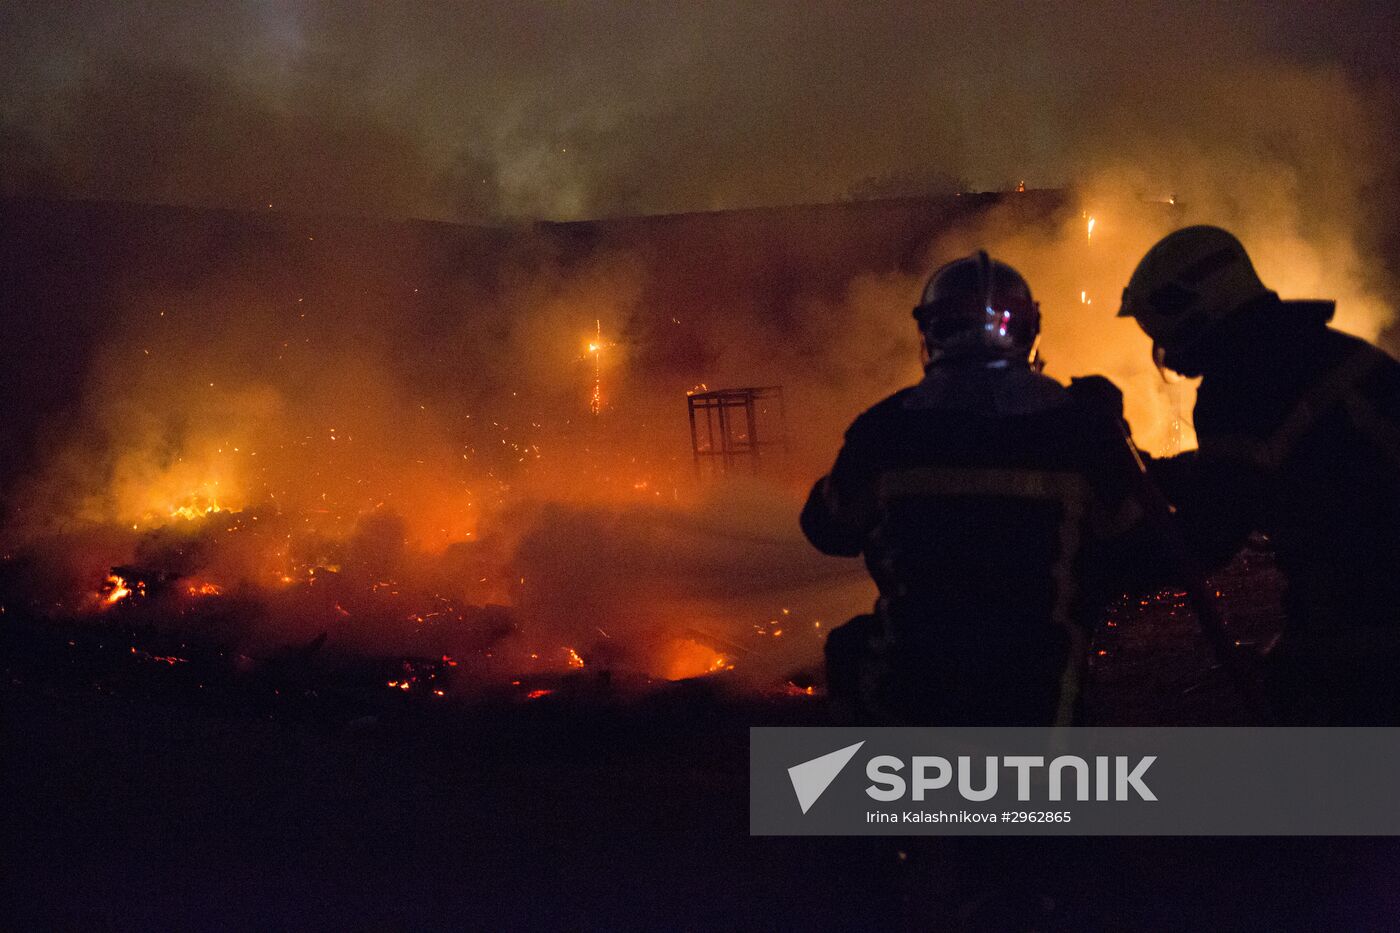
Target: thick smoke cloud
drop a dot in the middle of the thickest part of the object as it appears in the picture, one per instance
(587, 109)
(164, 133)
(468, 470)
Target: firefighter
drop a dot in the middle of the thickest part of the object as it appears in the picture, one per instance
(993, 510)
(1299, 431)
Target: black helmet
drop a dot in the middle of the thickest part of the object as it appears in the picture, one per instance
(977, 308)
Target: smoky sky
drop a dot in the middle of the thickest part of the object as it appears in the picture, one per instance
(503, 108)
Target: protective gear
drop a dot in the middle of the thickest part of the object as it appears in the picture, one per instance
(1299, 430)
(977, 308)
(1186, 285)
(992, 511)
(995, 516)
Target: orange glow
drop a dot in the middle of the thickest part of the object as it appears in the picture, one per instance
(196, 507)
(428, 508)
(595, 349)
(115, 590)
(687, 658)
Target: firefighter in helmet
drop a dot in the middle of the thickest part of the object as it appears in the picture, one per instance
(993, 510)
(1299, 430)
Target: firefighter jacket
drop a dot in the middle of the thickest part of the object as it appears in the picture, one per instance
(994, 511)
(1299, 438)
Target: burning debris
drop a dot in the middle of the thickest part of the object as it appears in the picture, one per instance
(183, 587)
(114, 589)
(445, 488)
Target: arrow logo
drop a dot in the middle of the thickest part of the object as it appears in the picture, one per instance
(811, 778)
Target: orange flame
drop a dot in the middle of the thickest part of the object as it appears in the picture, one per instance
(115, 590)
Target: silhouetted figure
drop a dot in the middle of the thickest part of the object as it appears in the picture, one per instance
(1299, 429)
(994, 512)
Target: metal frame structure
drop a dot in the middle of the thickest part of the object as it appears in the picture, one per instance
(731, 432)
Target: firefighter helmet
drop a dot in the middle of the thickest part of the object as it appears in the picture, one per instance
(980, 309)
(1187, 283)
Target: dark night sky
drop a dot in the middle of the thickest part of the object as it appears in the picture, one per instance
(574, 109)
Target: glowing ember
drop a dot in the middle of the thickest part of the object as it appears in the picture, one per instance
(536, 694)
(596, 348)
(114, 590)
(394, 526)
(118, 587)
(170, 659)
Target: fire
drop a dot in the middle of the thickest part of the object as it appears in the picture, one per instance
(689, 658)
(311, 495)
(170, 659)
(196, 507)
(115, 590)
(595, 349)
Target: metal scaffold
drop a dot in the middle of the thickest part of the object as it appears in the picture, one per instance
(730, 428)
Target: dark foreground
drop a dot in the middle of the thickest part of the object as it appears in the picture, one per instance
(600, 809)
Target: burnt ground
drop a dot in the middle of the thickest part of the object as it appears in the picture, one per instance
(143, 794)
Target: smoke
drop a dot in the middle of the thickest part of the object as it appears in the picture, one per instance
(589, 109)
(171, 134)
(729, 571)
(377, 430)
(401, 410)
